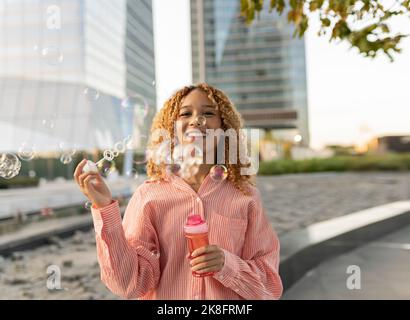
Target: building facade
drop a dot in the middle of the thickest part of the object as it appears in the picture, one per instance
(261, 66)
(65, 68)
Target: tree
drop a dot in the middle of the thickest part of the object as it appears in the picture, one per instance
(363, 23)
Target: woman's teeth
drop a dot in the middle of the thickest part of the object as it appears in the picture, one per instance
(195, 134)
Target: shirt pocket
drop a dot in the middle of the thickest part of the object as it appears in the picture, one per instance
(227, 233)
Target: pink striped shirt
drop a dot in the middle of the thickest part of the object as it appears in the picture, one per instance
(144, 256)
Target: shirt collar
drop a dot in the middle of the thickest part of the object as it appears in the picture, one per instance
(207, 184)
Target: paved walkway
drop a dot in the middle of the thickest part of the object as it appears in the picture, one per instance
(384, 272)
(291, 201)
(54, 195)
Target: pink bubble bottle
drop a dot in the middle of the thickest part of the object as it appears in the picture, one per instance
(196, 233)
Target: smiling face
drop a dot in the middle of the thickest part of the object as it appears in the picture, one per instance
(197, 114)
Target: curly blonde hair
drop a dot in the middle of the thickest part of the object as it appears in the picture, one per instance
(230, 117)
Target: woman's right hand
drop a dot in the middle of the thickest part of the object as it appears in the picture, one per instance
(92, 186)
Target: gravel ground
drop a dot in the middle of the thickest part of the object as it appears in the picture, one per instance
(291, 201)
(296, 201)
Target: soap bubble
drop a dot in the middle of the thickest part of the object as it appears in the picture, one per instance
(32, 174)
(218, 173)
(188, 170)
(48, 124)
(108, 155)
(128, 142)
(9, 174)
(88, 205)
(133, 173)
(173, 169)
(137, 103)
(155, 253)
(66, 158)
(26, 152)
(201, 121)
(91, 94)
(52, 55)
(178, 154)
(10, 165)
(144, 160)
(163, 152)
(106, 167)
(193, 151)
(67, 148)
(120, 147)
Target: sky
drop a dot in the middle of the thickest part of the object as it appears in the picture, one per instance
(350, 98)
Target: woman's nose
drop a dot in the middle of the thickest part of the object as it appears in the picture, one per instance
(197, 121)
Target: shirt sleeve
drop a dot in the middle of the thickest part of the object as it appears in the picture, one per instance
(255, 275)
(127, 251)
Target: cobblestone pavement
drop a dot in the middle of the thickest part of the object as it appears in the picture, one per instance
(291, 201)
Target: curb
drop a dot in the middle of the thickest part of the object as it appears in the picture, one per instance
(302, 250)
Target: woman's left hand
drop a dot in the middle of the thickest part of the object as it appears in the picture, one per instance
(207, 259)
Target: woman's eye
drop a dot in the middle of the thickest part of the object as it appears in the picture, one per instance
(184, 114)
(209, 113)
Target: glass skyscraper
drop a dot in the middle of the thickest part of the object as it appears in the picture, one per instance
(261, 66)
(66, 65)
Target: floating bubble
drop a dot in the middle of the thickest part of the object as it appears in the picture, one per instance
(106, 167)
(62, 146)
(88, 205)
(10, 165)
(91, 94)
(107, 170)
(26, 152)
(201, 121)
(142, 161)
(163, 152)
(128, 142)
(173, 169)
(48, 123)
(120, 147)
(9, 174)
(133, 173)
(108, 155)
(188, 170)
(218, 173)
(52, 55)
(137, 103)
(178, 154)
(68, 149)
(32, 174)
(115, 153)
(297, 138)
(192, 151)
(66, 158)
(155, 253)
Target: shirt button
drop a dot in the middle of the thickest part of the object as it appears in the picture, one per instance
(198, 200)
